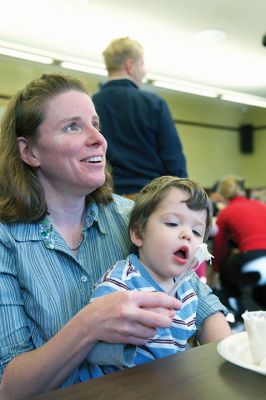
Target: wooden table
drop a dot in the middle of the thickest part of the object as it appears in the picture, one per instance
(199, 373)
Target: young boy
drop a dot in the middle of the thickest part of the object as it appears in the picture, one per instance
(170, 219)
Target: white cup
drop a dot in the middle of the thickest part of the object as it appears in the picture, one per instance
(255, 324)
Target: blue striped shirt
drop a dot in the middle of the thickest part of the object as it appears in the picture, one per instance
(130, 274)
(42, 285)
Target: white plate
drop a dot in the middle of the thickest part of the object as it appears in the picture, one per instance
(235, 349)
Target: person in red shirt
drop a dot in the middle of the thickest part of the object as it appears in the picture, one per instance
(241, 239)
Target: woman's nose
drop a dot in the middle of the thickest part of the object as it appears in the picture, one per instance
(94, 136)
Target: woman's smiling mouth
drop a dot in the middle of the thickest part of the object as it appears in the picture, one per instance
(94, 159)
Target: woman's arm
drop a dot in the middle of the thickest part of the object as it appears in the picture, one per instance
(116, 318)
(214, 328)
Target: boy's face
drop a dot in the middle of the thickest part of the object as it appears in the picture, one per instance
(170, 237)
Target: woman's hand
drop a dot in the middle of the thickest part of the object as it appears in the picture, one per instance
(130, 317)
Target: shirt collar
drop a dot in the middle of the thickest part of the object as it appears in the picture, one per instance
(120, 82)
(93, 216)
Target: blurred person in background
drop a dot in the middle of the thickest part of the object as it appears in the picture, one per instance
(240, 245)
(259, 194)
(143, 143)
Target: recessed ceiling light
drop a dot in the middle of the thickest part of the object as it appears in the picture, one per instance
(91, 69)
(26, 55)
(211, 35)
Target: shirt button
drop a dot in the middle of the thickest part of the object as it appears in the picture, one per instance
(84, 278)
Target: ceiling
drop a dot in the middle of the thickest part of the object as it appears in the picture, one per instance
(167, 29)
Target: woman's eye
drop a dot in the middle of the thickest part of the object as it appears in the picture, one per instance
(97, 126)
(73, 127)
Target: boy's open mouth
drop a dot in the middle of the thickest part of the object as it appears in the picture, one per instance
(182, 253)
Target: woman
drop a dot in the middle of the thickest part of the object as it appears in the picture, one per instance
(60, 230)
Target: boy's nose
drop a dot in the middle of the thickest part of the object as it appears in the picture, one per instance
(185, 234)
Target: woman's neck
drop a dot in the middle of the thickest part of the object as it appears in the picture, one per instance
(67, 215)
(65, 209)
(69, 223)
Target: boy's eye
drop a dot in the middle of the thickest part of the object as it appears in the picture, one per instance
(197, 233)
(171, 224)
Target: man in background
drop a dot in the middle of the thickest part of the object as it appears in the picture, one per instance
(142, 140)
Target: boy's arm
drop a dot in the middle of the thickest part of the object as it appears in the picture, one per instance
(116, 354)
(209, 304)
(211, 322)
(214, 328)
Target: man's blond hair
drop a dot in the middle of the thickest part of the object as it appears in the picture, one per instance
(119, 50)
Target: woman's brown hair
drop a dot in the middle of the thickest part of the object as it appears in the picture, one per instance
(21, 194)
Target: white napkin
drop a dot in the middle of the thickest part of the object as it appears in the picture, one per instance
(255, 324)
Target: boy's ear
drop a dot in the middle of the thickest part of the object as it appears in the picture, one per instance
(135, 237)
(26, 152)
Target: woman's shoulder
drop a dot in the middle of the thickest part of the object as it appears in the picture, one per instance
(119, 205)
(20, 228)
(121, 201)
(18, 231)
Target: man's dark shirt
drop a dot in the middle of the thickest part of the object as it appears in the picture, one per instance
(142, 140)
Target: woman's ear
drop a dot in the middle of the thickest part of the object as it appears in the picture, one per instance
(135, 237)
(26, 152)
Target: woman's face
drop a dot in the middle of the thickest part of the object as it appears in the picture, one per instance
(70, 150)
